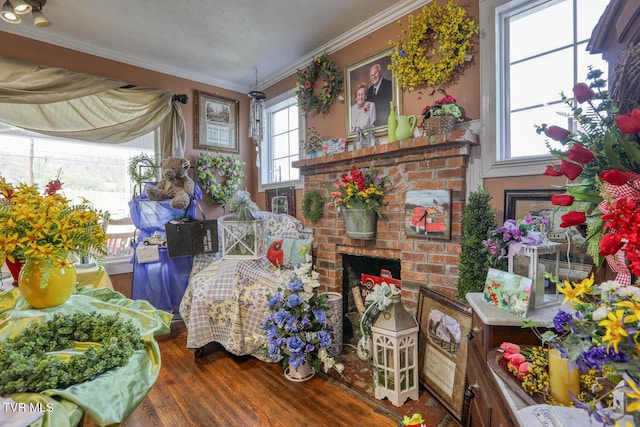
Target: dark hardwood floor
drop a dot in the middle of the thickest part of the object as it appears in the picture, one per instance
(224, 390)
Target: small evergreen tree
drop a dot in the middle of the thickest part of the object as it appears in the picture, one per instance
(478, 220)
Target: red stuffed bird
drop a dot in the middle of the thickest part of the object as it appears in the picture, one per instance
(275, 253)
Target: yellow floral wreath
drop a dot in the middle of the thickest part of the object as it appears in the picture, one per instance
(434, 45)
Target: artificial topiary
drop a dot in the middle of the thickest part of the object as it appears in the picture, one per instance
(478, 219)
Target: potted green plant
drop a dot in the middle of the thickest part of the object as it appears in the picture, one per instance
(478, 219)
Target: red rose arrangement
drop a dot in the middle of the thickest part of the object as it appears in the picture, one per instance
(601, 160)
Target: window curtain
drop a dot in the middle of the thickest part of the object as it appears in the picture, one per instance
(58, 102)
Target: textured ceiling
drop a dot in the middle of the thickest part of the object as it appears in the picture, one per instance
(216, 42)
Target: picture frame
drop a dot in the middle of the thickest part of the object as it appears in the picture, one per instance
(215, 124)
(575, 263)
(357, 74)
(281, 200)
(428, 214)
(443, 345)
(508, 291)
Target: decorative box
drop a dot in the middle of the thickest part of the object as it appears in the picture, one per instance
(244, 239)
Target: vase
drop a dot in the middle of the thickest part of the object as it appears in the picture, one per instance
(360, 223)
(563, 378)
(303, 372)
(406, 126)
(55, 290)
(392, 123)
(334, 321)
(14, 269)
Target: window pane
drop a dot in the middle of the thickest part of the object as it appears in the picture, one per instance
(294, 146)
(524, 139)
(280, 122)
(540, 80)
(293, 117)
(95, 171)
(585, 59)
(588, 14)
(281, 145)
(549, 26)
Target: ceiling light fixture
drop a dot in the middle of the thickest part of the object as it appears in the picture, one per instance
(12, 8)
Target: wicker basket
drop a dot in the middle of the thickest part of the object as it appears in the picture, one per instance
(437, 124)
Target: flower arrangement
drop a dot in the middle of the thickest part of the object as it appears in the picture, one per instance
(360, 188)
(320, 68)
(296, 328)
(313, 142)
(229, 167)
(46, 227)
(434, 46)
(506, 241)
(600, 336)
(600, 160)
(414, 421)
(446, 106)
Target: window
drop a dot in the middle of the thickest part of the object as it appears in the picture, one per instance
(533, 50)
(281, 146)
(95, 171)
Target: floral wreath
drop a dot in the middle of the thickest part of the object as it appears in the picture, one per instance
(312, 203)
(115, 342)
(320, 68)
(433, 47)
(142, 168)
(229, 167)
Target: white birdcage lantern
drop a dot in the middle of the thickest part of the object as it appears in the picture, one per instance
(244, 239)
(395, 354)
(533, 262)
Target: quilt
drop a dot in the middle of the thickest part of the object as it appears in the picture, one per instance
(226, 302)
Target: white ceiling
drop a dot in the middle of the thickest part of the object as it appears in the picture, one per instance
(216, 42)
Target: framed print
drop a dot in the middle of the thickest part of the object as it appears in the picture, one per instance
(215, 123)
(370, 89)
(444, 325)
(508, 291)
(428, 213)
(575, 263)
(281, 200)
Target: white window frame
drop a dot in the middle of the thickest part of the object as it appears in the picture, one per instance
(494, 91)
(284, 99)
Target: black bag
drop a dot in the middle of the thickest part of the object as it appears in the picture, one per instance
(191, 237)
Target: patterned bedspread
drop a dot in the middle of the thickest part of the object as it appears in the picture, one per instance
(226, 302)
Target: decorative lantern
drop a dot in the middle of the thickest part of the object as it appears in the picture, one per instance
(395, 354)
(244, 239)
(528, 263)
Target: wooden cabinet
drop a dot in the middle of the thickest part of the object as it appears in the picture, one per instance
(490, 327)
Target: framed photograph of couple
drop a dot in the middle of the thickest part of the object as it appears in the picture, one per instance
(215, 123)
(369, 91)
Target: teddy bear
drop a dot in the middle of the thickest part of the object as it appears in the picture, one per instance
(175, 183)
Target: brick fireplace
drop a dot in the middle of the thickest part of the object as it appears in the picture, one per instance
(425, 163)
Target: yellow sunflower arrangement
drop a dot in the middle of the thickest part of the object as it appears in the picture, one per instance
(433, 47)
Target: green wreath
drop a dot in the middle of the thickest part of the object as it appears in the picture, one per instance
(312, 203)
(320, 68)
(143, 168)
(434, 46)
(228, 167)
(26, 365)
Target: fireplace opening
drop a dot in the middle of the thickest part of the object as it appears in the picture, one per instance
(353, 268)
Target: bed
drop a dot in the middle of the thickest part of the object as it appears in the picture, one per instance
(225, 302)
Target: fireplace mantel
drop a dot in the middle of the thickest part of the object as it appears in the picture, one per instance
(407, 147)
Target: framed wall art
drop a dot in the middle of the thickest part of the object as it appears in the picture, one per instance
(428, 213)
(215, 123)
(370, 89)
(281, 200)
(444, 325)
(575, 263)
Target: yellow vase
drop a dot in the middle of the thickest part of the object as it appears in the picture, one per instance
(59, 285)
(563, 378)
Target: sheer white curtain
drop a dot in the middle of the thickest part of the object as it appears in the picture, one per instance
(59, 102)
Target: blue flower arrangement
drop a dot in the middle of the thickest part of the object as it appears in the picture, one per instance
(296, 328)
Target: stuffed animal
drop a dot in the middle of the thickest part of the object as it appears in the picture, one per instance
(175, 183)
